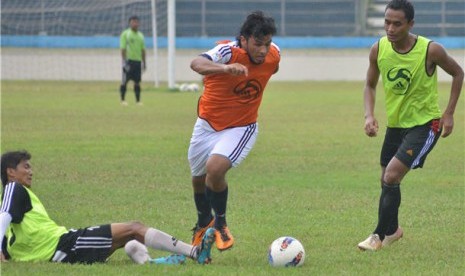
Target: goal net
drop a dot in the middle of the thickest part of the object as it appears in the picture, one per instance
(77, 40)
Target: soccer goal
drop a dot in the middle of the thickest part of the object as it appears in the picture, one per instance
(79, 40)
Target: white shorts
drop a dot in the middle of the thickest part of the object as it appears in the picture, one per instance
(232, 143)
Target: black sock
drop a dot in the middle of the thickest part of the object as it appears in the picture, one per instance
(137, 92)
(218, 201)
(122, 91)
(389, 203)
(395, 221)
(204, 209)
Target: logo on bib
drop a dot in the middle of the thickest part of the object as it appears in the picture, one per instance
(400, 80)
(248, 90)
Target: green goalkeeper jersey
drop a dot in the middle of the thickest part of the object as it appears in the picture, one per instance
(134, 44)
(411, 94)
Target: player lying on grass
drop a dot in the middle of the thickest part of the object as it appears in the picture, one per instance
(28, 234)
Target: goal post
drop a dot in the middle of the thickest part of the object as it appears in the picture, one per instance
(171, 43)
(156, 79)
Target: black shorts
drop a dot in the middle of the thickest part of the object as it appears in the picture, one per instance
(86, 245)
(410, 145)
(134, 73)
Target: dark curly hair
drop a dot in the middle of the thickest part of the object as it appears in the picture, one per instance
(11, 160)
(257, 25)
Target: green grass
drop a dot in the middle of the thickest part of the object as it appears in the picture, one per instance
(313, 174)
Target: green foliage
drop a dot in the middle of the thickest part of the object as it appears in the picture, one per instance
(313, 174)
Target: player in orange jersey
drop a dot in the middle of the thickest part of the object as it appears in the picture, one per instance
(235, 76)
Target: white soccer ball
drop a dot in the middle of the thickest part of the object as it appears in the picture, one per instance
(285, 252)
(184, 87)
(193, 87)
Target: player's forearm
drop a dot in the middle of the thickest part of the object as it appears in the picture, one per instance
(456, 87)
(123, 54)
(5, 220)
(369, 101)
(205, 66)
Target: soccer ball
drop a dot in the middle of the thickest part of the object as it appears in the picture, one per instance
(183, 87)
(193, 87)
(188, 87)
(285, 252)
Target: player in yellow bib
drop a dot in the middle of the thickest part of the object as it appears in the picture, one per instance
(27, 233)
(408, 65)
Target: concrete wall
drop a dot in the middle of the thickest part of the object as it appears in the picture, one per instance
(105, 64)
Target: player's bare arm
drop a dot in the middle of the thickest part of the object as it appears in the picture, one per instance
(437, 55)
(204, 66)
(144, 64)
(123, 54)
(371, 124)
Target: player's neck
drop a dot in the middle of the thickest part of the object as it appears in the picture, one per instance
(405, 45)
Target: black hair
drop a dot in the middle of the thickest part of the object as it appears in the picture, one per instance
(134, 17)
(257, 25)
(11, 160)
(404, 5)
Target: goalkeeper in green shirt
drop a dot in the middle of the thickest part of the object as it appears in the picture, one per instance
(27, 233)
(132, 47)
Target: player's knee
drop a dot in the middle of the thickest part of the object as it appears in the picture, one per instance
(391, 178)
(136, 227)
(216, 173)
(218, 166)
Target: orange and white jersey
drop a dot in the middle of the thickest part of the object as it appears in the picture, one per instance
(229, 100)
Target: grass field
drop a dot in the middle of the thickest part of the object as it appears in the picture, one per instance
(313, 174)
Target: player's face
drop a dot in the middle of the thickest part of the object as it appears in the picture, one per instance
(134, 24)
(21, 174)
(396, 25)
(257, 48)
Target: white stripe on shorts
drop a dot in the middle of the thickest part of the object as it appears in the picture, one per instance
(425, 149)
(92, 242)
(242, 143)
(233, 143)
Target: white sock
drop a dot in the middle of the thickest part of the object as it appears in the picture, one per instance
(137, 252)
(159, 240)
